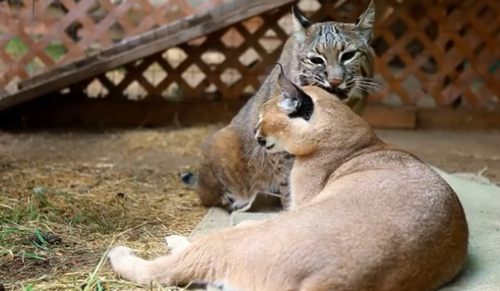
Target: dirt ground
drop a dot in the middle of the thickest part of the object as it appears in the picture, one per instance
(65, 197)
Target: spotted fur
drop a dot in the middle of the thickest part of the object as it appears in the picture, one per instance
(233, 168)
(338, 57)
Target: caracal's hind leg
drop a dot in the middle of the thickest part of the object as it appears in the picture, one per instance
(177, 243)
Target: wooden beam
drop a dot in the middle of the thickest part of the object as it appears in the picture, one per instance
(138, 47)
(380, 116)
(65, 112)
(462, 118)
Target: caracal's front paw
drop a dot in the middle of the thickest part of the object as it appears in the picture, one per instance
(119, 252)
(176, 243)
(120, 255)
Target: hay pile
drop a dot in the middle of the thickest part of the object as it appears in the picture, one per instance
(65, 199)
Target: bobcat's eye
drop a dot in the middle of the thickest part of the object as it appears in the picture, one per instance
(347, 56)
(317, 60)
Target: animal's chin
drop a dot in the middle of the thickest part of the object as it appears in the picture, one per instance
(273, 148)
(271, 145)
(342, 94)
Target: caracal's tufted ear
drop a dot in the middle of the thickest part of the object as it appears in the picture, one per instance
(364, 23)
(291, 93)
(300, 24)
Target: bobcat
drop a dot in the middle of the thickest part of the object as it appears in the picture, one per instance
(332, 55)
(364, 216)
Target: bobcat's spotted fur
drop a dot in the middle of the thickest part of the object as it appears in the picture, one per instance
(332, 55)
(365, 216)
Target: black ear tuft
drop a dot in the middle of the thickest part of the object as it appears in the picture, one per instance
(294, 100)
(189, 179)
(304, 22)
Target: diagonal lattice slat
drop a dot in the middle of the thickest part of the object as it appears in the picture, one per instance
(72, 29)
(429, 53)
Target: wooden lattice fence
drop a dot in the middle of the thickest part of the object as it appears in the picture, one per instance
(36, 35)
(430, 54)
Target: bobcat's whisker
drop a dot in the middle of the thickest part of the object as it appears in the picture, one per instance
(312, 78)
(369, 89)
(253, 152)
(369, 84)
(273, 194)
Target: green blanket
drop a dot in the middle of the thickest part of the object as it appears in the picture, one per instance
(482, 207)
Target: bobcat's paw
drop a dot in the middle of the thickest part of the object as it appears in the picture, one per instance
(176, 243)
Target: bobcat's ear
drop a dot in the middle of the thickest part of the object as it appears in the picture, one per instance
(364, 23)
(300, 24)
(291, 94)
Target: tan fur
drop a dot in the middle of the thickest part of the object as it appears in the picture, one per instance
(233, 169)
(365, 216)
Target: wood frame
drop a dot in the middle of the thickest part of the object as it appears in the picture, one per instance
(447, 48)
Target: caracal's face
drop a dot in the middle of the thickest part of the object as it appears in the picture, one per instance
(289, 121)
(272, 120)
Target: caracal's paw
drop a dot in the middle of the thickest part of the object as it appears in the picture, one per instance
(120, 252)
(120, 256)
(176, 243)
(126, 264)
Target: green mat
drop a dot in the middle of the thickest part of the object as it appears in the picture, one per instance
(482, 207)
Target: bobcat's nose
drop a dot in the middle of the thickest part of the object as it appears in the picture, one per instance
(261, 141)
(335, 82)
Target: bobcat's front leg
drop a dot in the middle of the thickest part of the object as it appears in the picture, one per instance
(286, 199)
(282, 173)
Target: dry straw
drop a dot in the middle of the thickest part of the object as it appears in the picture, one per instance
(65, 199)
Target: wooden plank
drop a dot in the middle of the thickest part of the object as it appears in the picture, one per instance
(466, 119)
(141, 46)
(68, 112)
(380, 116)
(82, 112)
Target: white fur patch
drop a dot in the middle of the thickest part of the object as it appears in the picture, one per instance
(119, 252)
(288, 104)
(123, 260)
(177, 243)
(126, 264)
(275, 143)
